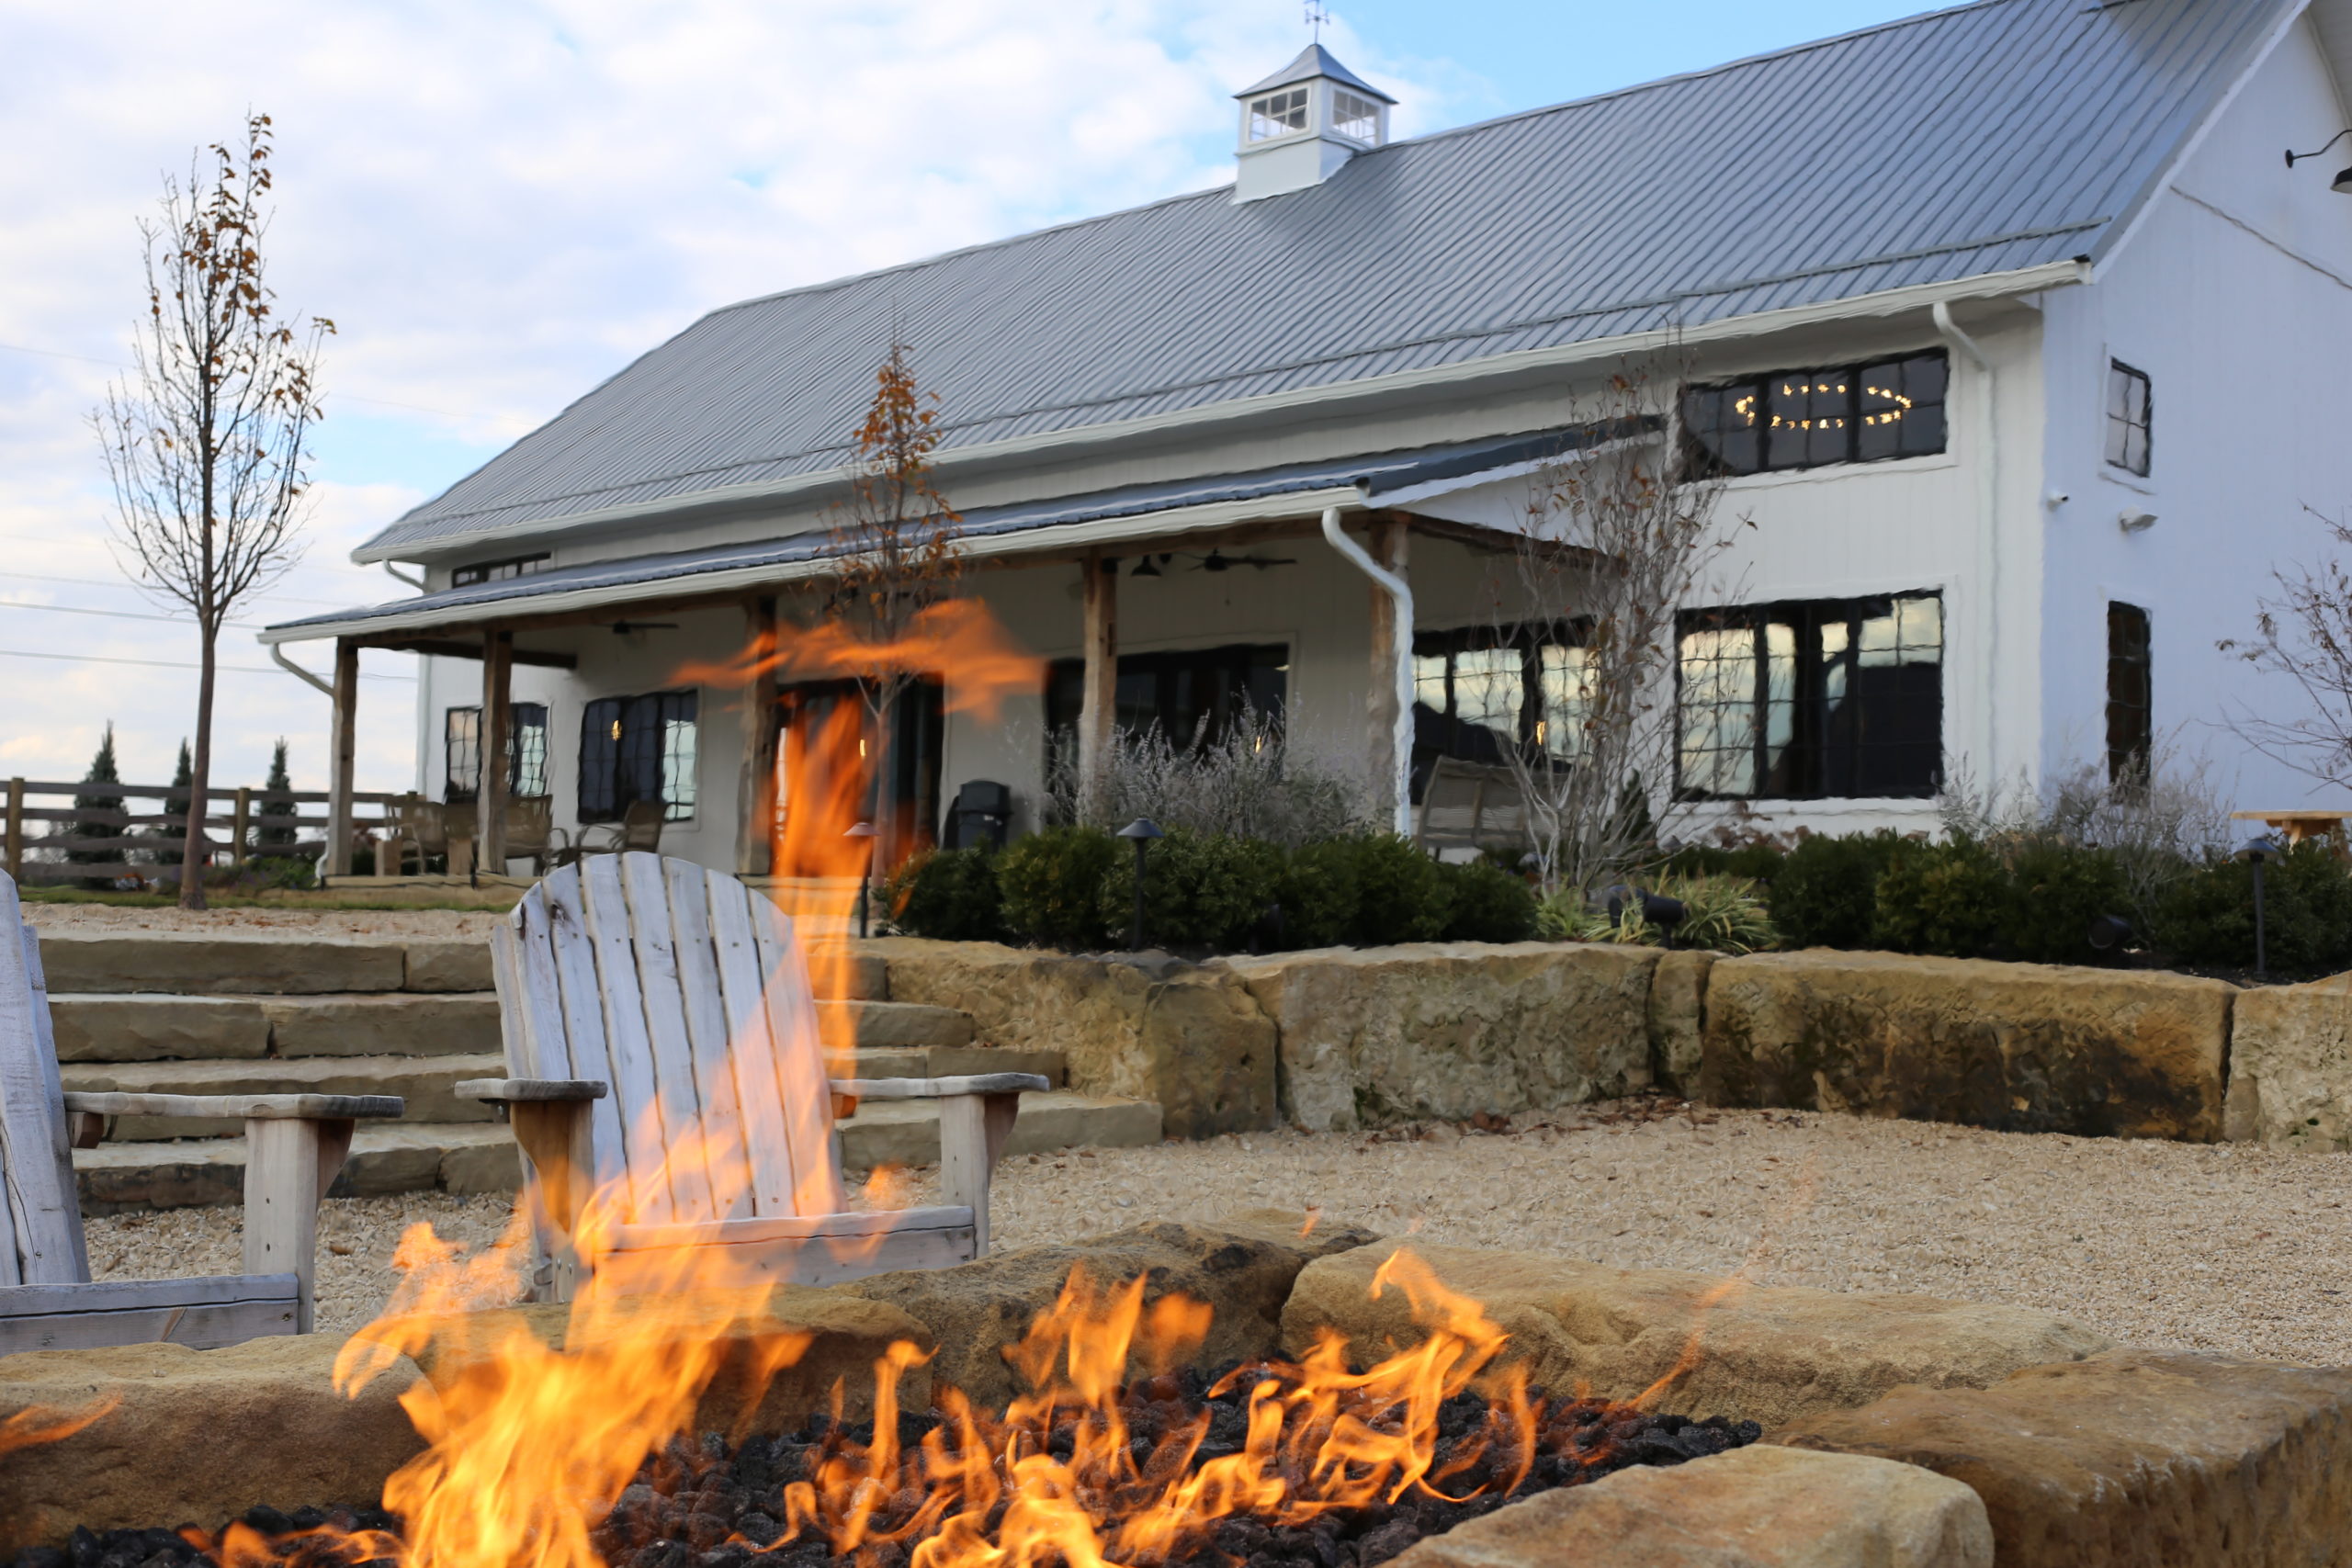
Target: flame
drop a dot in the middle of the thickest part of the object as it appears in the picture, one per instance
(38, 1423)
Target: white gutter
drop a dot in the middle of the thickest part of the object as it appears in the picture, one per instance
(278, 654)
(1401, 742)
(1988, 545)
(1331, 398)
(398, 576)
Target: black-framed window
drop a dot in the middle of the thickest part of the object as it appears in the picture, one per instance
(634, 748)
(1802, 419)
(527, 752)
(1813, 699)
(1191, 694)
(1480, 692)
(2129, 417)
(498, 570)
(2131, 697)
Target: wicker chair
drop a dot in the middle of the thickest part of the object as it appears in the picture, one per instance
(638, 829)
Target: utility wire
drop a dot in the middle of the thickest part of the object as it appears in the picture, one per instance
(119, 614)
(118, 365)
(142, 588)
(172, 664)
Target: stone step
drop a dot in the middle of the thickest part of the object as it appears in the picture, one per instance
(152, 1026)
(461, 1157)
(423, 1081)
(953, 1061)
(242, 964)
(845, 974)
(906, 1131)
(875, 1026)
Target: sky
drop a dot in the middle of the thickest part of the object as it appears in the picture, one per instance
(499, 203)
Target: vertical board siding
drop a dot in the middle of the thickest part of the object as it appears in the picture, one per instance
(806, 1091)
(703, 1015)
(767, 1136)
(44, 1216)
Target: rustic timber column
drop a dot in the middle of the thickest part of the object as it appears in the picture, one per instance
(755, 789)
(1388, 542)
(341, 755)
(497, 723)
(1098, 704)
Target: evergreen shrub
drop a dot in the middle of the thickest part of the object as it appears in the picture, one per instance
(948, 895)
(1825, 892)
(1052, 886)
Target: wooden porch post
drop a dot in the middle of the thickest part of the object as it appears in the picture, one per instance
(1389, 547)
(1098, 704)
(342, 752)
(497, 723)
(756, 790)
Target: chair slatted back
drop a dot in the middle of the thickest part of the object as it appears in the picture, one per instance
(687, 993)
(41, 1218)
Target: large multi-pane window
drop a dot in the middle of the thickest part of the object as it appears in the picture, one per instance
(2130, 417)
(1190, 695)
(1802, 419)
(2131, 699)
(634, 748)
(1835, 697)
(1482, 693)
(527, 752)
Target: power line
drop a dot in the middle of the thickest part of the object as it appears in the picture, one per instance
(172, 664)
(118, 365)
(140, 588)
(299, 566)
(119, 614)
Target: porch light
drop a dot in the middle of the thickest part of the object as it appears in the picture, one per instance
(1145, 567)
(2342, 183)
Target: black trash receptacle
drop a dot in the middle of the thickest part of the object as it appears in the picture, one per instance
(982, 815)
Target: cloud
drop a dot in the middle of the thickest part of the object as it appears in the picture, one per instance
(500, 204)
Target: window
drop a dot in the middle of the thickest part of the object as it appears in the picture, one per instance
(1279, 114)
(634, 748)
(2126, 418)
(1802, 419)
(527, 752)
(1839, 697)
(1354, 118)
(2130, 704)
(1484, 691)
(1190, 695)
(497, 570)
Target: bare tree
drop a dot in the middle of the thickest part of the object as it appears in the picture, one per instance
(1616, 537)
(204, 441)
(2305, 634)
(896, 539)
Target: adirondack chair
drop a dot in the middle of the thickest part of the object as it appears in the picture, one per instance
(294, 1145)
(649, 1007)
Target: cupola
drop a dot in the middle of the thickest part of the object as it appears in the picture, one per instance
(1301, 123)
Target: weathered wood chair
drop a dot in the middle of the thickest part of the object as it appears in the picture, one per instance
(294, 1145)
(662, 1041)
(1471, 806)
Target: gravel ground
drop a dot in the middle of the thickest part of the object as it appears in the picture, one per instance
(2214, 1247)
(289, 922)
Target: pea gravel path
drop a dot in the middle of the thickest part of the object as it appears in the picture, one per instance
(2209, 1247)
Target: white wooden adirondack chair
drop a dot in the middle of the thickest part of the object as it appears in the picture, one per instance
(294, 1145)
(651, 1007)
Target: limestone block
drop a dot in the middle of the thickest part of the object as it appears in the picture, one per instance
(394, 1023)
(1677, 1018)
(2290, 1066)
(2132, 1457)
(1765, 1355)
(1189, 1038)
(1754, 1508)
(197, 1435)
(130, 1027)
(2022, 1047)
(1243, 1266)
(1374, 1036)
(448, 965)
(196, 962)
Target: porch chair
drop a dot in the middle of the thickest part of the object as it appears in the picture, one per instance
(1470, 806)
(531, 833)
(413, 826)
(645, 1000)
(640, 829)
(294, 1145)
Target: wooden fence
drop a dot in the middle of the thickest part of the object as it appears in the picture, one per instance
(39, 838)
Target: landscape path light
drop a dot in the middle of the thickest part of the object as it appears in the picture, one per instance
(865, 873)
(1142, 830)
(2254, 852)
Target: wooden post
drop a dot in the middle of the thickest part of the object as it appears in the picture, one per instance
(497, 723)
(289, 1164)
(756, 790)
(1389, 545)
(1099, 701)
(241, 825)
(14, 850)
(342, 756)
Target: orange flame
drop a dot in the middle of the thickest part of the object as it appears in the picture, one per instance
(38, 1423)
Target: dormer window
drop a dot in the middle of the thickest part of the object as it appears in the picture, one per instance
(1278, 114)
(1356, 118)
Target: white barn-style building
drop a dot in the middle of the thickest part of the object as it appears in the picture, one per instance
(2018, 341)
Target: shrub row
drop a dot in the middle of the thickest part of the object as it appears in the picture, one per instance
(1074, 888)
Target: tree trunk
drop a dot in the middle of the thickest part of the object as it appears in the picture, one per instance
(192, 851)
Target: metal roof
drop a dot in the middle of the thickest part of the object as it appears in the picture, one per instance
(1374, 477)
(1986, 139)
(1314, 61)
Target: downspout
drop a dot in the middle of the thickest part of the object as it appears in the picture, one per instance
(399, 576)
(1988, 550)
(1401, 743)
(279, 653)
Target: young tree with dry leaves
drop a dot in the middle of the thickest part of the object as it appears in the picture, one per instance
(2305, 634)
(205, 439)
(897, 546)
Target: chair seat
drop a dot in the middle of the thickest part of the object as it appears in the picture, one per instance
(824, 1249)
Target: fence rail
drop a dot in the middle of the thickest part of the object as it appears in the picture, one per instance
(235, 813)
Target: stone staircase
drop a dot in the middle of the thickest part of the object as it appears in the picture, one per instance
(251, 1013)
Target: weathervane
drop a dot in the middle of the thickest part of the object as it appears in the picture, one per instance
(1316, 15)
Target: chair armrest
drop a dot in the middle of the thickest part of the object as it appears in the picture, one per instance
(251, 1107)
(938, 1088)
(509, 1090)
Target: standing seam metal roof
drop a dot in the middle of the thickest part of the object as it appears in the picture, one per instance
(1991, 138)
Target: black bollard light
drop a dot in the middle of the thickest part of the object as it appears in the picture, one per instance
(865, 873)
(1656, 910)
(2109, 933)
(1143, 830)
(2254, 852)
